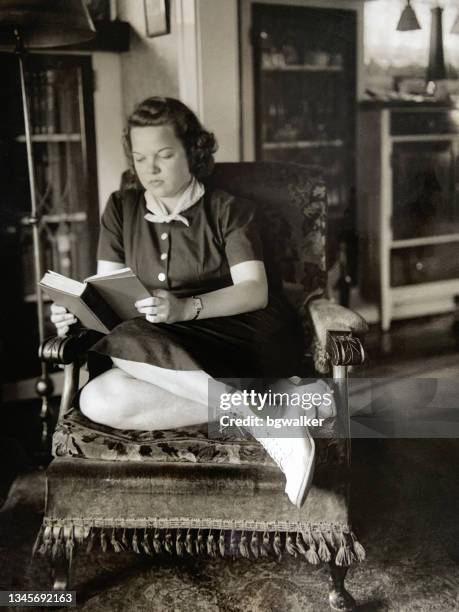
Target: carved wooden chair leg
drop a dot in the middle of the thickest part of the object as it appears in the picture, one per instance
(60, 569)
(338, 597)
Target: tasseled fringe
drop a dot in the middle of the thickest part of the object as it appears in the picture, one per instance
(57, 550)
(179, 546)
(157, 542)
(345, 554)
(290, 546)
(265, 545)
(211, 545)
(78, 535)
(168, 542)
(221, 543)
(116, 544)
(311, 553)
(124, 540)
(47, 541)
(199, 544)
(359, 550)
(233, 544)
(189, 542)
(39, 542)
(254, 547)
(91, 541)
(70, 545)
(135, 542)
(146, 543)
(277, 545)
(316, 545)
(299, 543)
(103, 540)
(243, 546)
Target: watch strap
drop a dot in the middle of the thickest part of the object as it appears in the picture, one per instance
(197, 302)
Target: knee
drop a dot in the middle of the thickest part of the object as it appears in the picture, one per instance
(104, 400)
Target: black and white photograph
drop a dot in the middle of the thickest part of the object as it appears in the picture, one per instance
(229, 317)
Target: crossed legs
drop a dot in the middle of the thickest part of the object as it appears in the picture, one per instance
(134, 395)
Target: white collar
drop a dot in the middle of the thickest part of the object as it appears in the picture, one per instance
(158, 213)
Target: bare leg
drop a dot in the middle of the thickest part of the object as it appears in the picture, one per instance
(118, 400)
(189, 384)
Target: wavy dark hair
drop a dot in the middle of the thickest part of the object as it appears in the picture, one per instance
(199, 144)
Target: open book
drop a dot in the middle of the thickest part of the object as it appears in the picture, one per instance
(101, 301)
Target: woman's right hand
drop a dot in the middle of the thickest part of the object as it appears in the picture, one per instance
(62, 319)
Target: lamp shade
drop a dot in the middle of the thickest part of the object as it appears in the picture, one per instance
(44, 23)
(408, 20)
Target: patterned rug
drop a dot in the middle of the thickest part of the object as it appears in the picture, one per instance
(405, 507)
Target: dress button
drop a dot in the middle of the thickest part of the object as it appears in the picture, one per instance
(161, 276)
(164, 236)
(163, 256)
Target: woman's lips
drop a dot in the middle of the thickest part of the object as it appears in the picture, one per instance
(156, 182)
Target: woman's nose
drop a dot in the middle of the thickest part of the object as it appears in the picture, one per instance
(153, 166)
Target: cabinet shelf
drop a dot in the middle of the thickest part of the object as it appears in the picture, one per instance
(75, 217)
(302, 144)
(51, 138)
(423, 241)
(303, 68)
(32, 298)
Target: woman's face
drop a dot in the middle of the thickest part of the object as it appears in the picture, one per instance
(160, 160)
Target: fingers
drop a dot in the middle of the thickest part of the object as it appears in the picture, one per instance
(66, 318)
(161, 293)
(62, 319)
(155, 314)
(62, 331)
(56, 309)
(149, 301)
(151, 309)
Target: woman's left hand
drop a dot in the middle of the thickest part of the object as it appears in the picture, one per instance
(163, 307)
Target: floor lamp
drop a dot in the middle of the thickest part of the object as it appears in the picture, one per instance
(24, 26)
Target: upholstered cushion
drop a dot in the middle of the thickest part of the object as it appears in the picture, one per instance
(77, 436)
(291, 202)
(327, 315)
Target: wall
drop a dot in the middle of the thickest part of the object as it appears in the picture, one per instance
(124, 79)
(150, 66)
(108, 112)
(208, 67)
(219, 65)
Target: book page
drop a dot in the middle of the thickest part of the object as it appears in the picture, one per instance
(62, 283)
(121, 273)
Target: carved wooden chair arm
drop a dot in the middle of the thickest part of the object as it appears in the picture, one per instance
(336, 330)
(63, 350)
(70, 352)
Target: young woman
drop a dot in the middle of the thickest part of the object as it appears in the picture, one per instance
(210, 314)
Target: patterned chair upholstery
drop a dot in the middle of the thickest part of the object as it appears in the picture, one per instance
(179, 492)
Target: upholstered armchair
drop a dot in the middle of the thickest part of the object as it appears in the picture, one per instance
(179, 492)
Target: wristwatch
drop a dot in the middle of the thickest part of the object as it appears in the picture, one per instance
(197, 302)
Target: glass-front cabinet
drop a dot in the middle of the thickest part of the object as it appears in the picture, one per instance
(60, 91)
(305, 95)
(408, 208)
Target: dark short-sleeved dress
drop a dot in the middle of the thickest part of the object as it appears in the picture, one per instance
(189, 261)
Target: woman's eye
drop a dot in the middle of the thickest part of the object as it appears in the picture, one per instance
(139, 160)
(166, 155)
